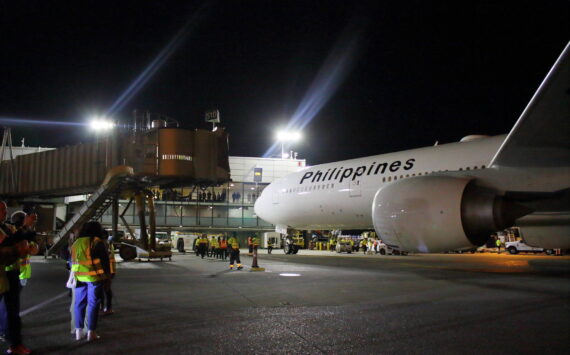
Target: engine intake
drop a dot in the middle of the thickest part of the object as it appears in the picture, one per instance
(439, 213)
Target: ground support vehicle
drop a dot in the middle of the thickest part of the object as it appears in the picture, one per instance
(383, 249)
(344, 246)
(184, 241)
(519, 246)
(130, 250)
(292, 244)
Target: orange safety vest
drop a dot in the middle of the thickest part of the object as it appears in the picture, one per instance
(223, 244)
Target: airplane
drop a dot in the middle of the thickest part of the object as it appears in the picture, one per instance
(450, 196)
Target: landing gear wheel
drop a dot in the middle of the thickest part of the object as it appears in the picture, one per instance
(127, 252)
(180, 245)
(287, 249)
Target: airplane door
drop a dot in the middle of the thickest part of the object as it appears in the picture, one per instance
(354, 188)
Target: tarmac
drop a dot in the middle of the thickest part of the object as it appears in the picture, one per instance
(315, 303)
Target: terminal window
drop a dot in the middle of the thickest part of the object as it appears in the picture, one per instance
(176, 157)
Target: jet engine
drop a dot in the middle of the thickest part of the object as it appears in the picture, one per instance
(437, 213)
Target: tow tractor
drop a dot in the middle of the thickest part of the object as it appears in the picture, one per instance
(292, 243)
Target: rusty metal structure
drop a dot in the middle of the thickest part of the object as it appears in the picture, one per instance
(160, 156)
(123, 163)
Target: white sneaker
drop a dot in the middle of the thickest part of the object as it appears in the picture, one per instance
(91, 335)
(79, 334)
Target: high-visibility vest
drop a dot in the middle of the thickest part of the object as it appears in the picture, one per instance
(22, 265)
(85, 267)
(112, 261)
(223, 244)
(25, 267)
(202, 241)
(214, 243)
(234, 243)
(255, 241)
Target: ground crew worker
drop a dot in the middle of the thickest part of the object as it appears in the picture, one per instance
(269, 246)
(224, 248)
(498, 243)
(17, 219)
(203, 245)
(13, 245)
(107, 299)
(363, 245)
(250, 246)
(90, 264)
(213, 247)
(254, 242)
(234, 253)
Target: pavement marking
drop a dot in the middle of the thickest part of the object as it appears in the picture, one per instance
(137, 265)
(44, 303)
(289, 274)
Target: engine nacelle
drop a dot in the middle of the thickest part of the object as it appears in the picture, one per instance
(437, 213)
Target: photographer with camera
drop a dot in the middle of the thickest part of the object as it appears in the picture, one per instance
(14, 245)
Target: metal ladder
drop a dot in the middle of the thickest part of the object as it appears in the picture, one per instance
(92, 209)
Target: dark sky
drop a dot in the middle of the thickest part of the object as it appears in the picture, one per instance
(417, 71)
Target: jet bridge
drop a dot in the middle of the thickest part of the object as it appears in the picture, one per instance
(124, 163)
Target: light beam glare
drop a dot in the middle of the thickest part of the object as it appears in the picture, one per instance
(27, 122)
(331, 75)
(156, 63)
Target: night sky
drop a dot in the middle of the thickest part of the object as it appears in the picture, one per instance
(377, 76)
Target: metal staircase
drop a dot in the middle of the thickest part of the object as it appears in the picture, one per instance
(92, 209)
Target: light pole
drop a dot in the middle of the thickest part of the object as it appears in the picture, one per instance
(287, 136)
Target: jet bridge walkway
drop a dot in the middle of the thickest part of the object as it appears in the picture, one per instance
(128, 162)
(115, 182)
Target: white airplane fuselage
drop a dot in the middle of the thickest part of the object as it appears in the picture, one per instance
(449, 196)
(339, 195)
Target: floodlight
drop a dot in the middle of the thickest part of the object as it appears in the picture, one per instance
(287, 136)
(99, 124)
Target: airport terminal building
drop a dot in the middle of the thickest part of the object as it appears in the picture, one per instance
(228, 207)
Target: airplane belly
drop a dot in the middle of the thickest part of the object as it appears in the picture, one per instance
(328, 210)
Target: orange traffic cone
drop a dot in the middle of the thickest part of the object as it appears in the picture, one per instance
(254, 266)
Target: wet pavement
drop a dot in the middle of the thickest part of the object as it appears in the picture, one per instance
(316, 302)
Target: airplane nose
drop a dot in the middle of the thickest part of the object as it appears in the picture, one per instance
(260, 206)
(257, 206)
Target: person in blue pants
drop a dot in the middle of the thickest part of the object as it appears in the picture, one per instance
(90, 264)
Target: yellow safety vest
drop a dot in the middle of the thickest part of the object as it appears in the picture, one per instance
(85, 267)
(255, 241)
(234, 243)
(25, 267)
(214, 243)
(112, 261)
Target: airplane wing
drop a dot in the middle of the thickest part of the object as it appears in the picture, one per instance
(541, 136)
